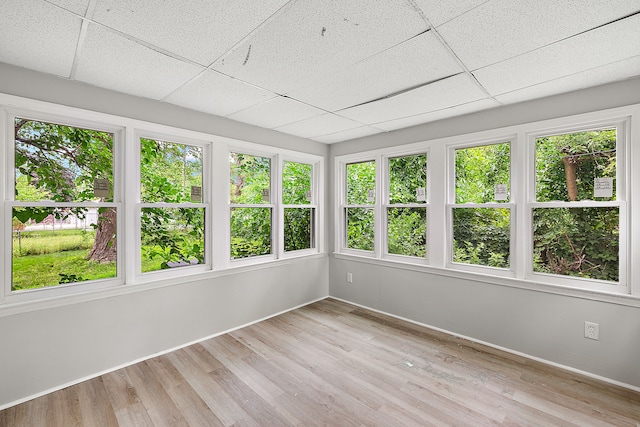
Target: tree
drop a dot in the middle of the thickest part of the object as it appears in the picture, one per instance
(62, 162)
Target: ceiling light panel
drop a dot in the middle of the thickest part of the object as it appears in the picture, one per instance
(276, 112)
(501, 29)
(319, 125)
(599, 47)
(620, 70)
(198, 30)
(38, 35)
(445, 93)
(113, 62)
(416, 61)
(312, 38)
(218, 94)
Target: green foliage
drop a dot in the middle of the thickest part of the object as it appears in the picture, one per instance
(360, 228)
(406, 175)
(407, 233)
(298, 229)
(361, 178)
(48, 241)
(481, 236)
(479, 169)
(296, 182)
(170, 236)
(592, 152)
(250, 232)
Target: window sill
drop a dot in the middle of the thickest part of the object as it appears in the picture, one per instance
(12, 308)
(530, 285)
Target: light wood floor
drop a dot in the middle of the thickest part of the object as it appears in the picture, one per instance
(334, 364)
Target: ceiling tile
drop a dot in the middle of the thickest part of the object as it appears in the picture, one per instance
(76, 6)
(347, 134)
(501, 29)
(438, 12)
(38, 35)
(419, 60)
(597, 76)
(592, 49)
(445, 93)
(319, 125)
(218, 94)
(311, 38)
(418, 119)
(276, 112)
(113, 62)
(194, 29)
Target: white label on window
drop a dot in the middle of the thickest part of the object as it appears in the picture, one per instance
(500, 192)
(603, 187)
(371, 196)
(266, 195)
(307, 196)
(196, 193)
(421, 194)
(101, 188)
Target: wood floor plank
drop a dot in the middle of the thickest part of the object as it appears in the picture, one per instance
(331, 363)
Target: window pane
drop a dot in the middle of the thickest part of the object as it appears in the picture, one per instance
(481, 236)
(296, 183)
(408, 179)
(568, 165)
(170, 172)
(360, 229)
(483, 173)
(61, 163)
(53, 246)
(171, 237)
(361, 183)
(407, 231)
(250, 232)
(250, 180)
(580, 242)
(298, 229)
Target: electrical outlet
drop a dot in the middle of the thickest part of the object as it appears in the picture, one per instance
(349, 278)
(591, 330)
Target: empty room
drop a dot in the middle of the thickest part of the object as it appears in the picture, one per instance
(319, 212)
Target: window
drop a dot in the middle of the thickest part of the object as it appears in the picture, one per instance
(251, 205)
(64, 213)
(359, 210)
(576, 216)
(172, 212)
(406, 211)
(298, 212)
(481, 212)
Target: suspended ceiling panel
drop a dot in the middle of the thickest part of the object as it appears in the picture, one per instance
(328, 70)
(22, 41)
(311, 39)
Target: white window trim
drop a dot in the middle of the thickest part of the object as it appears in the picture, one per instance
(512, 205)
(127, 171)
(521, 171)
(135, 271)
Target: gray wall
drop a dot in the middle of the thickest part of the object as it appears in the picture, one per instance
(543, 325)
(48, 348)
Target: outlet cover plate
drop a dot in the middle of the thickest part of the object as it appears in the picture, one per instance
(591, 330)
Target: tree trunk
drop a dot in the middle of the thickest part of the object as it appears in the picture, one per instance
(104, 245)
(570, 170)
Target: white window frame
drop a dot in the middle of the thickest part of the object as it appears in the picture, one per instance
(511, 205)
(341, 219)
(313, 205)
(386, 204)
(8, 117)
(623, 130)
(205, 204)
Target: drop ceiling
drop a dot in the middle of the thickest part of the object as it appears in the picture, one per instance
(328, 70)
